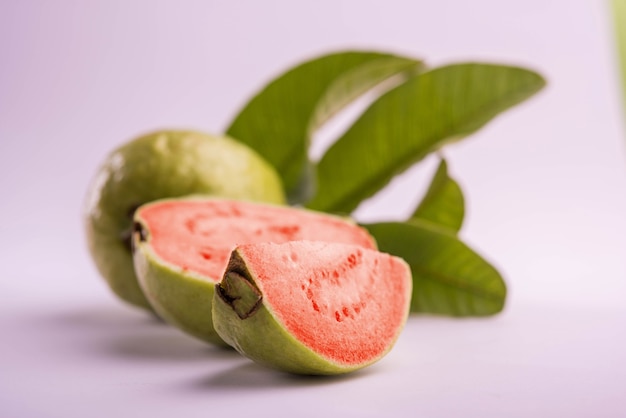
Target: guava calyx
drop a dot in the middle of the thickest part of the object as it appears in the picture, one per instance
(126, 235)
(140, 231)
(240, 294)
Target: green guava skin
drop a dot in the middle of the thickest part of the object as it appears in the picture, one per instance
(160, 165)
(262, 338)
(182, 299)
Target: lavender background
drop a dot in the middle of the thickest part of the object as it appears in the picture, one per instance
(545, 186)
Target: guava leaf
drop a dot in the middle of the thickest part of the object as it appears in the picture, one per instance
(443, 204)
(410, 121)
(278, 122)
(449, 278)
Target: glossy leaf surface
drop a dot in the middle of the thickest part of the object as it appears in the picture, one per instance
(412, 120)
(278, 122)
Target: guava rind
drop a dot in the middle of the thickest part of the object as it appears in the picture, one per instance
(159, 165)
(184, 298)
(262, 337)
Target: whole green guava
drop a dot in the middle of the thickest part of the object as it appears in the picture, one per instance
(160, 165)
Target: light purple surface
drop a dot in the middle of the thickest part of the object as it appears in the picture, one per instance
(545, 186)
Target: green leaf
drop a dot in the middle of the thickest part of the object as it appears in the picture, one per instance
(619, 14)
(278, 122)
(443, 204)
(448, 277)
(412, 120)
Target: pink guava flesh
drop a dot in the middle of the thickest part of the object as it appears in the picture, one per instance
(198, 235)
(346, 303)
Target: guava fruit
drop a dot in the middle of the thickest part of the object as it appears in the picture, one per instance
(159, 165)
(312, 307)
(182, 247)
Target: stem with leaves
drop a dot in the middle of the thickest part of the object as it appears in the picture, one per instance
(425, 111)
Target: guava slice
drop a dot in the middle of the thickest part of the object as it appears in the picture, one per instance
(160, 165)
(182, 247)
(311, 307)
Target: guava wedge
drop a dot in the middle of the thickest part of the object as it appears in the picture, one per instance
(182, 247)
(311, 307)
(160, 165)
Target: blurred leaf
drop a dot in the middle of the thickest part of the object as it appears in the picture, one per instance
(412, 120)
(448, 277)
(619, 14)
(278, 122)
(443, 203)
